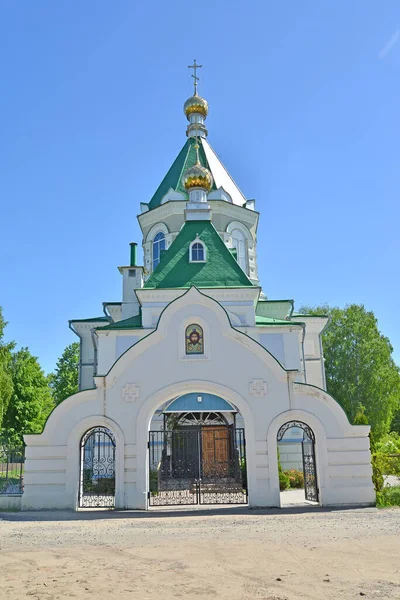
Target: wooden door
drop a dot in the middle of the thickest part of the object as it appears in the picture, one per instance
(215, 451)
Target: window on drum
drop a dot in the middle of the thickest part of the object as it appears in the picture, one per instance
(158, 245)
(194, 339)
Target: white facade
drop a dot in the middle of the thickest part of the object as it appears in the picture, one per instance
(258, 356)
(231, 368)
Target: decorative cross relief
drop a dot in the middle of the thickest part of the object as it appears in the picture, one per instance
(130, 392)
(258, 388)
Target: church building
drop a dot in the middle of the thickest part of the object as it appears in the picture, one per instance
(191, 382)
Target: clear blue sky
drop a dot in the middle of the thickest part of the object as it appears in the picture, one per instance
(304, 112)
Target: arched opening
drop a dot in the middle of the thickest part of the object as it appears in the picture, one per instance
(158, 246)
(239, 242)
(197, 453)
(97, 469)
(296, 464)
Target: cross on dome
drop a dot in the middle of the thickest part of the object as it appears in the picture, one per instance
(195, 66)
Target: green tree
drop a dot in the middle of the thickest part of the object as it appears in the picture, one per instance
(6, 385)
(64, 381)
(31, 400)
(360, 371)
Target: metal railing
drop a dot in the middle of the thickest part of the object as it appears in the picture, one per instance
(11, 470)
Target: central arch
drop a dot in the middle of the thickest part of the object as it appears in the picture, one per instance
(163, 396)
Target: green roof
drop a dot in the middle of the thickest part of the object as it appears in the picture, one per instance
(131, 323)
(219, 270)
(173, 179)
(93, 319)
(271, 321)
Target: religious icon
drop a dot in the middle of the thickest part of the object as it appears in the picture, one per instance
(194, 340)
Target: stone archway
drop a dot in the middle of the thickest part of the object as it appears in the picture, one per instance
(146, 412)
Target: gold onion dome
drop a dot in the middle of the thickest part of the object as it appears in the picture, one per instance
(197, 177)
(195, 104)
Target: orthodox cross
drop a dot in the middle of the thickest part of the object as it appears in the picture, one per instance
(195, 66)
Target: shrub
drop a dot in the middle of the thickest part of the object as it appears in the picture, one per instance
(284, 481)
(153, 482)
(389, 444)
(377, 475)
(296, 478)
(388, 496)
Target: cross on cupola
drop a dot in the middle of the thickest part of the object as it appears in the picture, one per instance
(195, 66)
(196, 108)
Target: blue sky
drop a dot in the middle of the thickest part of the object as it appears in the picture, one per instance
(304, 112)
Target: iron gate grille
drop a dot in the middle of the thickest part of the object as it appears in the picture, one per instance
(97, 469)
(203, 465)
(308, 451)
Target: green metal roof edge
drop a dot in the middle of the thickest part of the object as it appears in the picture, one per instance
(120, 324)
(277, 322)
(93, 319)
(310, 315)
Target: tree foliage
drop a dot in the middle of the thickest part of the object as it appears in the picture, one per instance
(64, 381)
(360, 371)
(6, 385)
(31, 400)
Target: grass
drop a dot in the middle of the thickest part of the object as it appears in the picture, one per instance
(389, 496)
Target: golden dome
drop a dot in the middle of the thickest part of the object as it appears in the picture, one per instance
(197, 177)
(195, 104)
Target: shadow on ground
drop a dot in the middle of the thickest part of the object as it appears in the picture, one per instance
(101, 514)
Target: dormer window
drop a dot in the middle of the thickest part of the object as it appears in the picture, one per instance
(197, 251)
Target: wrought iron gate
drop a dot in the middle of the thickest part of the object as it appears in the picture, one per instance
(202, 465)
(97, 469)
(308, 452)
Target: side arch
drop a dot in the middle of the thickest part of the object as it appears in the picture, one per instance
(320, 448)
(73, 449)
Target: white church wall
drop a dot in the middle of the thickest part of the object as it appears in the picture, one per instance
(315, 373)
(290, 455)
(86, 368)
(292, 353)
(275, 344)
(106, 352)
(123, 342)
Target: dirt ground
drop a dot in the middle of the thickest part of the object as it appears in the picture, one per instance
(284, 554)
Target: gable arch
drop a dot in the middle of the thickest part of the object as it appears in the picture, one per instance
(195, 297)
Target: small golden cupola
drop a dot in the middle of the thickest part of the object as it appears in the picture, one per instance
(197, 177)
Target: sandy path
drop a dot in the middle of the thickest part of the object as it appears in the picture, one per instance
(235, 554)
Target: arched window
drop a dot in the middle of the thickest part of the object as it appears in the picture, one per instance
(158, 245)
(194, 340)
(197, 251)
(240, 243)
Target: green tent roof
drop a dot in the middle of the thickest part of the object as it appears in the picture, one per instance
(173, 179)
(219, 270)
